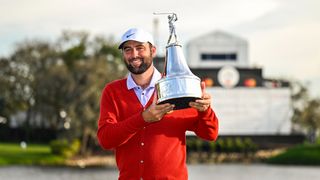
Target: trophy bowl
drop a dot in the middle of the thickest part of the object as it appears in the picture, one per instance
(178, 90)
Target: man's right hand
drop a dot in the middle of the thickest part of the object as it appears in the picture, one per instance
(155, 111)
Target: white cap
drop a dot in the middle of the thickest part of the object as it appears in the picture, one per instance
(136, 34)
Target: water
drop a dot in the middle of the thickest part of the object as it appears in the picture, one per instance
(56, 173)
(196, 172)
(253, 172)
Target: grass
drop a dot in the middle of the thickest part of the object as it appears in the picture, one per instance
(34, 154)
(306, 154)
(40, 154)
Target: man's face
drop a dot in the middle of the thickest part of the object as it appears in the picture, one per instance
(138, 56)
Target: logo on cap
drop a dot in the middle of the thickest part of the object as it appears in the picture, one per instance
(130, 35)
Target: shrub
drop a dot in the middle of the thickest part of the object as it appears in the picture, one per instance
(212, 146)
(64, 147)
(305, 154)
(318, 140)
(249, 145)
(229, 145)
(239, 145)
(220, 146)
(198, 144)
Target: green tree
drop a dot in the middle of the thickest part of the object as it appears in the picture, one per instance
(60, 82)
(310, 118)
(30, 62)
(6, 77)
(306, 110)
(93, 65)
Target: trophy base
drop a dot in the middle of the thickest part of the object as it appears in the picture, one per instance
(180, 103)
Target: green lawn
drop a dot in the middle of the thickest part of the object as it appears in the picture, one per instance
(307, 154)
(34, 154)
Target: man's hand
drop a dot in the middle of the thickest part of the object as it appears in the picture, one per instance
(204, 103)
(155, 111)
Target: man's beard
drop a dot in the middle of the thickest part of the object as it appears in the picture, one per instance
(145, 64)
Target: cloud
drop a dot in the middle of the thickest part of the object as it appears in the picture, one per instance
(288, 51)
(285, 41)
(285, 13)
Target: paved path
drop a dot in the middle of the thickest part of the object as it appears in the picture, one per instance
(196, 172)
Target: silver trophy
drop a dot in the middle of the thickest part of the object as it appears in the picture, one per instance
(179, 85)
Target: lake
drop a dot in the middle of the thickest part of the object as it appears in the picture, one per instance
(196, 172)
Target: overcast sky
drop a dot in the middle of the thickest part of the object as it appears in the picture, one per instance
(283, 35)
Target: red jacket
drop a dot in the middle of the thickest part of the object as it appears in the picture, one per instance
(148, 150)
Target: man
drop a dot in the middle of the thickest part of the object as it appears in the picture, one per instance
(148, 138)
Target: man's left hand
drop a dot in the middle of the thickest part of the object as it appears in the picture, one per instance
(204, 103)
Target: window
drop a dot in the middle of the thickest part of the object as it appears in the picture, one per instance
(219, 57)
